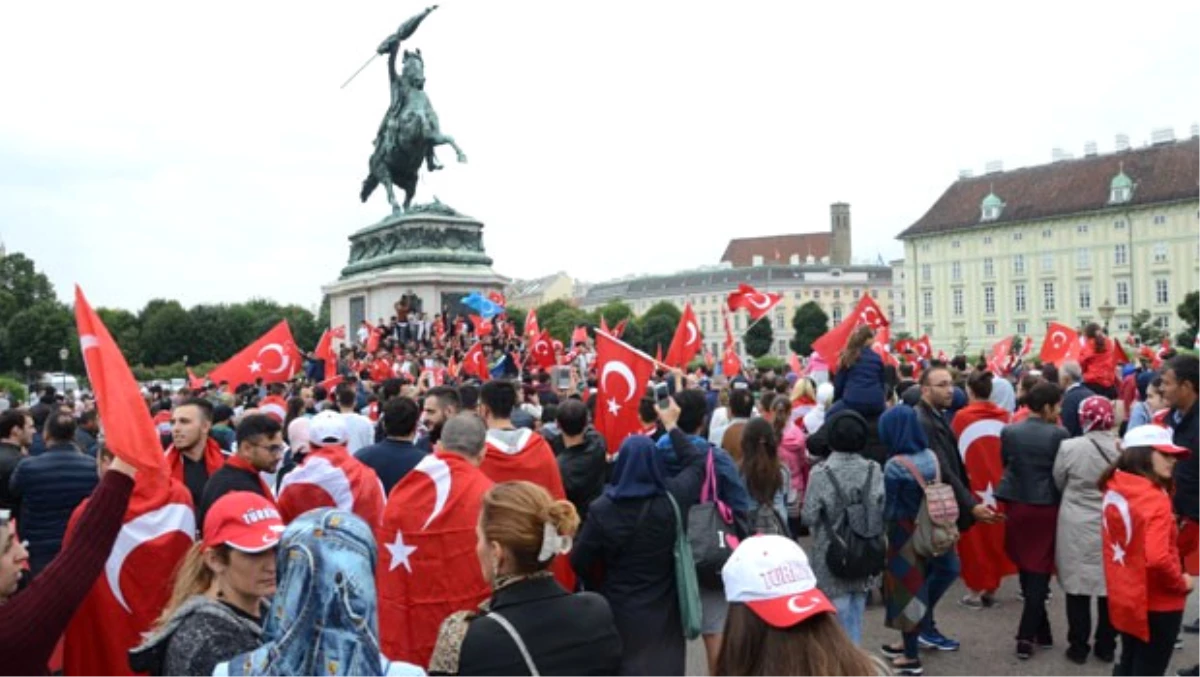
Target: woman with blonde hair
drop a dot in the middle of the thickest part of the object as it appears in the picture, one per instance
(531, 625)
(220, 592)
(804, 398)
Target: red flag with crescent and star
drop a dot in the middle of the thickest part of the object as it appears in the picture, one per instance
(977, 427)
(427, 566)
(1125, 539)
(1059, 344)
(325, 352)
(482, 327)
(543, 350)
(475, 363)
(158, 527)
(273, 357)
(687, 340)
(1001, 350)
(622, 373)
(830, 344)
(880, 345)
(756, 303)
(330, 477)
(619, 330)
(924, 347)
(532, 331)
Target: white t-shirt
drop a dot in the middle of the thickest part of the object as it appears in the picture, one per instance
(360, 432)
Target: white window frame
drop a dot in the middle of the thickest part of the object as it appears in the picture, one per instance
(1083, 258)
(1047, 262)
(1048, 303)
(989, 268)
(1081, 229)
(1122, 293)
(1018, 264)
(1021, 328)
(989, 300)
(1085, 296)
(989, 328)
(1160, 252)
(955, 270)
(1162, 291)
(927, 303)
(957, 302)
(926, 272)
(1120, 254)
(1020, 299)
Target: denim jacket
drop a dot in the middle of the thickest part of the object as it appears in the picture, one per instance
(730, 487)
(902, 493)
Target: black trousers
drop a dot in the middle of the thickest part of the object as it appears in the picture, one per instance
(1035, 624)
(1079, 625)
(1150, 658)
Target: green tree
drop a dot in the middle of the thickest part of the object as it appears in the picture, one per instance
(516, 315)
(1189, 312)
(21, 286)
(1141, 327)
(759, 338)
(39, 332)
(809, 322)
(613, 312)
(657, 327)
(166, 334)
(560, 319)
(323, 320)
(123, 325)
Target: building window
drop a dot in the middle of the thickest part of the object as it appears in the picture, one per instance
(1017, 236)
(988, 270)
(874, 293)
(780, 321)
(1085, 296)
(958, 302)
(1119, 224)
(927, 303)
(989, 328)
(1019, 298)
(1120, 194)
(902, 313)
(1020, 329)
(926, 272)
(837, 314)
(837, 294)
(1122, 292)
(1047, 233)
(1122, 325)
(856, 293)
(783, 347)
(892, 311)
(1120, 255)
(1018, 264)
(955, 271)
(1047, 262)
(987, 239)
(796, 295)
(1083, 258)
(989, 300)
(1161, 294)
(1159, 219)
(925, 246)
(703, 323)
(1160, 252)
(816, 293)
(1048, 296)
(1162, 321)
(1081, 229)
(756, 260)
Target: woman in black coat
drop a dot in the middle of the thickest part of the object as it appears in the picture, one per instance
(625, 550)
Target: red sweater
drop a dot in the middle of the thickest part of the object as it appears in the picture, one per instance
(32, 620)
(1099, 367)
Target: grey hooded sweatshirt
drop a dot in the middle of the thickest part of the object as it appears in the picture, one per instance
(202, 633)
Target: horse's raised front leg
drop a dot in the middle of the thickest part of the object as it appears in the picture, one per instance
(439, 138)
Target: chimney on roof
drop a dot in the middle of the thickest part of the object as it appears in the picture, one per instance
(965, 173)
(1089, 149)
(1122, 142)
(1162, 135)
(993, 167)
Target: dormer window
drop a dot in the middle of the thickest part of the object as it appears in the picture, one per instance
(991, 207)
(1121, 189)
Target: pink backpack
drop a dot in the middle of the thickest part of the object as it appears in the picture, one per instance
(936, 532)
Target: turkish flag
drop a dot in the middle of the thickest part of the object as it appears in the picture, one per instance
(330, 477)
(880, 345)
(622, 373)
(709, 360)
(998, 362)
(731, 364)
(372, 337)
(273, 357)
(482, 327)
(604, 325)
(924, 347)
(428, 568)
(906, 346)
(687, 340)
(531, 325)
(324, 350)
(1060, 342)
(977, 427)
(475, 363)
(497, 298)
(1026, 345)
(579, 335)
(829, 345)
(755, 302)
(619, 330)
(543, 351)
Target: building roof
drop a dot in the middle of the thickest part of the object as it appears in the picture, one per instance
(740, 252)
(1165, 172)
(529, 287)
(765, 278)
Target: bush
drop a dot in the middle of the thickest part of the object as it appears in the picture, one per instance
(16, 388)
(770, 362)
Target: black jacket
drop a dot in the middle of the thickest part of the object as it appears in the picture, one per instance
(565, 634)
(48, 488)
(10, 456)
(391, 460)
(631, 562)
(584, 468)
(1028, 450)
(226, 479)
(1070, 408)
(1187, 484)
(944, 445)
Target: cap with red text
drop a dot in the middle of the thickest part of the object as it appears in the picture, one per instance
(771, 575)
(244, 521)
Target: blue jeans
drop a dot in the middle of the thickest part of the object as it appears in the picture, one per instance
(940, 574)
(850, 609)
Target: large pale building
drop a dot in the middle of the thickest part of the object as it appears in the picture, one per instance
(1070, 241)
(533, 293)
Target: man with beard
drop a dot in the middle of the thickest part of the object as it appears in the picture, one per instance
(441, 403)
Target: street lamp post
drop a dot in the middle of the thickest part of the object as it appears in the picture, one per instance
(63, 353)
(29, 376)
(1106, 313)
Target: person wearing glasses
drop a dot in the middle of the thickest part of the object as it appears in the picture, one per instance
(259, 449)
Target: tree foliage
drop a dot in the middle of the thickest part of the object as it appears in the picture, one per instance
(809, 322)
(658, 326)
(1141, 327)
(39, 332)
(759, 338)
(1189, 312)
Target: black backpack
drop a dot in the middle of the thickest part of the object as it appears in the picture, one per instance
(857, 545)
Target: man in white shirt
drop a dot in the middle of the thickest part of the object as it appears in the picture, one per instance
(360, 431)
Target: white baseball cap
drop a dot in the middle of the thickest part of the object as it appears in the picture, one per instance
(327, 427)
(771, 575)
(1154, 436)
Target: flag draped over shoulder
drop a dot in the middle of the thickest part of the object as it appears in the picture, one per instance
(977, 427)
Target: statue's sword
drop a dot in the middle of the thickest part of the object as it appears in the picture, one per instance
(360, 69)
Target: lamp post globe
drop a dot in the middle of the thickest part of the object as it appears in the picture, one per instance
(63, 354)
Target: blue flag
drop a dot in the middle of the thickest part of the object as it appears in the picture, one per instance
(481, 304)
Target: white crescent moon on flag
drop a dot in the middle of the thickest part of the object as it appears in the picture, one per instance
(147, 527)
(766, 300)
(692, 333)
(791, 605)
(623, 370)
(865, 318)
(284, 359)
(976, 431)
(88, 341)
(1057, 338)
(1113, 498)
(437, 471)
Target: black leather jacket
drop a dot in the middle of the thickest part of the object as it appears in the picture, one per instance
(1028, 450)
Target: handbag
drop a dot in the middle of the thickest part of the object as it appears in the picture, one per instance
(516, 638)
(711, 530)
(687, 587)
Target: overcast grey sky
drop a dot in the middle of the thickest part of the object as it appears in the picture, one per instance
(205, 152)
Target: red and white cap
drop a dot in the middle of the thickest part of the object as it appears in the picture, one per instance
(771, 575)
(327, 427)
(244, 521)
(1156, 437)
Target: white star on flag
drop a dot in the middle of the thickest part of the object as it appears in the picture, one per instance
(400, 552)
(613, 407)
(255, 367)
(1118, 554)
(987, 496)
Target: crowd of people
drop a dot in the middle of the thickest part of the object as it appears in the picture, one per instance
(410, 515)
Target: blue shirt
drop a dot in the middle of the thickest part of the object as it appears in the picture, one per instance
(729, 481)
(391, 460)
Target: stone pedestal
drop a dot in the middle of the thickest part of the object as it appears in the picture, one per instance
(431, 254)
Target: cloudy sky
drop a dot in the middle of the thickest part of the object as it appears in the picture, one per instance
(207, 154)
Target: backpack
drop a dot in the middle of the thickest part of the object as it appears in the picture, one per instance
(937, 520)
(764, 519)
(857, 545)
